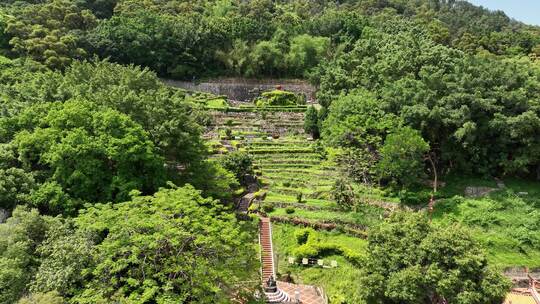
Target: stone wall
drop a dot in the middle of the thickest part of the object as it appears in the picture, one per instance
(240, 89)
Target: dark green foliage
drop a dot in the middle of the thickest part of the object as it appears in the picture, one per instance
(343, 194)
(402, 157)
(311, 122)
(15, 187)
(4, 38)
(446, 95)
(302, 235)
(239, 163)
(427, 263)
(289, 210)
(182, 51)
(268, 207)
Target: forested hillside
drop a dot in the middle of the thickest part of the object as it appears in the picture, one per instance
(423, 142)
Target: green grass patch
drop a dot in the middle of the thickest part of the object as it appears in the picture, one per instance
(505, 222)
(339, 291)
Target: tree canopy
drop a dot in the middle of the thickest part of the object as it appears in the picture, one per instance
(411, 261)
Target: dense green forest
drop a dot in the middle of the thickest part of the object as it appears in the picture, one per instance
(113, 195)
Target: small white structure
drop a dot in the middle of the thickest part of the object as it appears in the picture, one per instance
(333, 264)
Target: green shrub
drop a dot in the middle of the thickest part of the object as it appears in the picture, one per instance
(239, 163)
(229, 123)
(228, 133)
(414, 198)
(289, 210)
(306, 251)
(280, 98)
(217, 103)
(286, 184)
(299, 198)
(268, 207)
(302, 235)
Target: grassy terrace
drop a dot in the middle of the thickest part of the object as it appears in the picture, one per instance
(339, 291)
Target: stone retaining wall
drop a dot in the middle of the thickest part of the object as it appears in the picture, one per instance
(240, 89)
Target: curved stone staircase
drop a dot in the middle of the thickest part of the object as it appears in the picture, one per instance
(277, 297)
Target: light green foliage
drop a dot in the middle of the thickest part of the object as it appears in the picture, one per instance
(409, 260)
(168, 115)
(20, 236)
(181, 247)
(265, 58)
(312, 246)
(90, 153)
(357, 119)
(505, 222)
(402, 157)
(306, 52)
(48, 32)
(279, 98)
(66, 255)
(42, 298)
(335, 281)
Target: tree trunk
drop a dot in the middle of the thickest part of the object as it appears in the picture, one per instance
(434, 170)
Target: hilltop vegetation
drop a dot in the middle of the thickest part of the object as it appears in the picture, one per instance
(118, 188)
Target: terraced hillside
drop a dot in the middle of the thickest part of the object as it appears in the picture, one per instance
(296, 181)
(296, 178)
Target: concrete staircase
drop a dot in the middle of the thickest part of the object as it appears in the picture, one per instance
(273, 293)
(267, 253)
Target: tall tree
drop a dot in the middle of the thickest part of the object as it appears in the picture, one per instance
(410, 261)
(174, 246)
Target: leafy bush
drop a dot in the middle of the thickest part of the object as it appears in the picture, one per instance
(299, 198)
(217, 103)
(289, 210)
(302, 235)
(414, 198)
(306, 251)
(311, 124)
(280, 98)
(268, 207)
(228, 133)
(239, 163)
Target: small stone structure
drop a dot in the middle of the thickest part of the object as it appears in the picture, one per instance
(4, 214)
(478, 191)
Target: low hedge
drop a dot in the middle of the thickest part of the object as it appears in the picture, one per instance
(312, 247)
